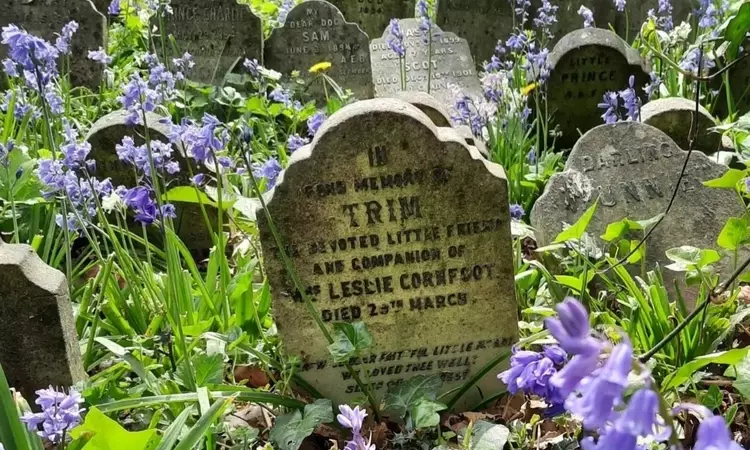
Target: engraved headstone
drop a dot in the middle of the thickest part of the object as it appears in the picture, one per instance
(39, 347)
(215, 33)
(108, 132)
(450, 64)
(381, 219)
(481, 22)
(586, 64)
(46, 18)
(374, 15)
(633, 169)
(440, 116)
(674, 116)
(315, 31)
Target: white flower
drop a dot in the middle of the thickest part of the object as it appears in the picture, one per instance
(112, 202)
(269, 73)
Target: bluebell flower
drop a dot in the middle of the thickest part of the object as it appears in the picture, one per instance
(546, 17)
(55, 102)
(465, 112)
(252, 66)
(630, 100)
(517, 212)
(70, 225)
(492, 86)
(199, 179)
(138, 156)
(620, 5)
(32, 54)
(183, 65)
(286, 6)
(494, 64)
(531, 156)
(114, 8)
(353, 419)
(588, 17)
(66, 35)
(653, 86)
(516, 41)
(269, 170)
(59, 414)
(5, 150)
(708, 15)
(693, 58)
(571, 329)
(530, 372)
(295, 142)
(100, 56)
(315, 122)
(521, 11)
(610, 104)
(713, 434)
(395, 39)
(10, 68)
(425, 23)
(664, 21)
(146, 211)
(281, 95)
(538, 64)
(137, 98)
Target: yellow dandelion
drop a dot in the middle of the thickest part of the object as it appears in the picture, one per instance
(528, 88)
(320, 67)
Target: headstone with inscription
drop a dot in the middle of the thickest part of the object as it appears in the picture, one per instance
(108, 132)
(46, 18)
(674, 116)
(382, 220)
(374, 15)
(449, 64)
(586, 64)
(481, 22)
(633, 169)
(39, 347)
(315, 31)
(216, 34)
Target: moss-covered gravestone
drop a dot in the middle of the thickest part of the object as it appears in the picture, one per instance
(38, 346)
(373, 15)
(216, 33)
(399, 224)
(46, 18)
(481, 22)
(316, 32)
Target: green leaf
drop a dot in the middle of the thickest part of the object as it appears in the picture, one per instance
(291, 429)
(410, 392)
(727, 181)
(684, 373)
(733, 234)
(173, 432)
(104, 433)
(201, 426)
(135, 364)
(737, 30)
(209, 369)
(188, 194)
(577, 229)
(349, 340)
(13, 432)
(424, 413)
(713, 398)
(742, 384)
(488, 436)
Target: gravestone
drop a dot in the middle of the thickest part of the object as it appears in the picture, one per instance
(674, 116)
(39, 347)
(315, 31)
(633, 169)
(586, 64)
(373, 16)
(450, 64)
(46, 18)
(481, 22)
(108, 132)
(381, 218)
(216, 34)
(440, 117)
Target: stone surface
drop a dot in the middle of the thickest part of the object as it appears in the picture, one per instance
(451, 63)
(104, 136)
(374, 15)
(397, 223)
(216, 33)
(39, 347)
(632, 168)
(674, 116)
(315, 31)
(46, 18)
(440, 116)
(585, 65)
(481, 22)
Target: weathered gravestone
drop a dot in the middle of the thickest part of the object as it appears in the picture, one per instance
(586, 64)
(374, 15)
(633, 169)
(395, 222)
(108, 132)
(46, 18)
(39, 346)
(674, 116)
(216, 34)
(440, 117)
(450, 64)
(481, 22)
(315, 31)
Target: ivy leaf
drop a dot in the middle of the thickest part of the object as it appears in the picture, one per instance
(424, 413)
(577, 229)
(488, 436)
(291, 429)
(727, 181)
(104, 433)
(713, 398)
(733, 234)
(408, 394)
(349, 340)
(742, 384)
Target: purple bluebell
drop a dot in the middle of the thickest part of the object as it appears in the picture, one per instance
(653, 86)
(610, 104)
(353, 419)
(284, 9)
(517, 212)
(199, 179)
(66, 35)
(531, 372)
(465, 112)
(494, 64)
(588, 17)
(546, 17)
(571, 329)
(531, 157)
(139, 157)
(281, 95)
(707, 13)
(269, 170)
(538, 64)
(295, 142)
(55, 103)
(630, 100)
(252, 66)
(611, 439)
(395, 39)
(183, 65)
(146, 211)
(100, 56)
(693, 58)
(425, 22)
(492, 86)
(641, 417)
(619, 5)
(516, 41)
(5, 150)
(33, 54)
(74, 152)
(10, 68)
(137, 98)
(664, 20)
(521, 11)
(114, 8)
(713, 434)
(315, 122)
(59, 414)
(70, 225)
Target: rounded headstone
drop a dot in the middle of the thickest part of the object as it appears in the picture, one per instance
(586, 64)
(674, 116)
